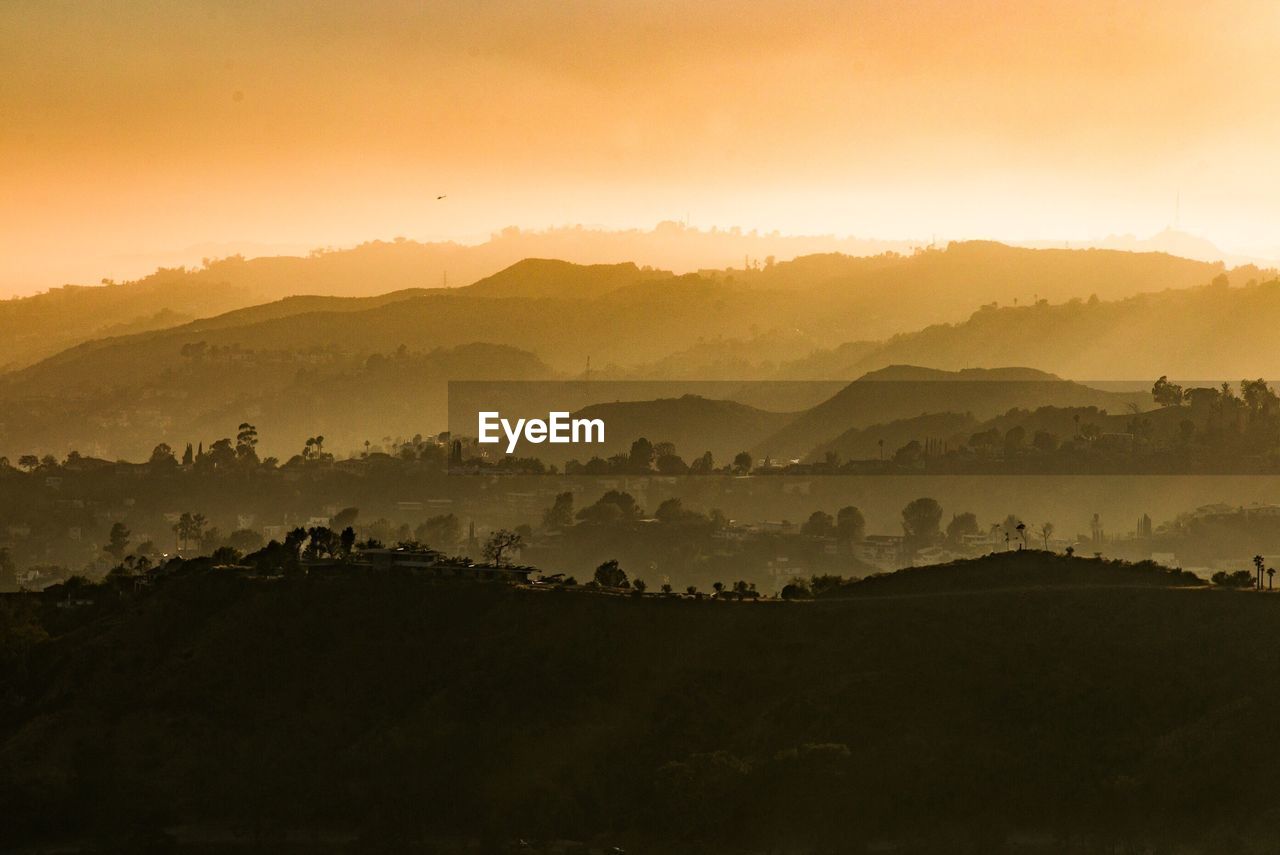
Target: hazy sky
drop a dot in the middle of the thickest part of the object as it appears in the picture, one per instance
(128, 129)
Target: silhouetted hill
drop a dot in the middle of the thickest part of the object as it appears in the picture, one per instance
(199, 392)
(554, 279)
(621, 315)
(830, 297)
(410, 714)
(1015, 570)
(902, 392)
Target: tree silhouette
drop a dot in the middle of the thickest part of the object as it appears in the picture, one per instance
(1046, 532)
(117, 541)
(500, 543)
(819, 524)
(851, 526)
(560, 514)
(610, 575)
(247, 443)
(920, 521)
(1258, 566)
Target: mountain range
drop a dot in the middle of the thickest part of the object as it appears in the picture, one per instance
(376, 365)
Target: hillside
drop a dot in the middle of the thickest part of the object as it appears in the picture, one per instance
(903, 392)
(625, 320)
(833, 297)
(196, 392)
(227, 708)
(1199, 333)
(1025, 569)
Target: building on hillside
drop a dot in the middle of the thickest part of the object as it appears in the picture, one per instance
(883, 551)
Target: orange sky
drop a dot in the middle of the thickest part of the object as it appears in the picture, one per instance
(132, 129)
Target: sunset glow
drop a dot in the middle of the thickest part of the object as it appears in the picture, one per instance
(137, 129)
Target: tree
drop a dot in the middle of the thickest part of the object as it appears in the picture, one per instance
(347, 541)
(247, 443)
(117, 541)
(1013, 439)
(1046, 532)
(641, 455)
(28, 462)
(1258, 397)
(920, 521)
(640, 585)
(322, 541)
(742, 462)
(851, 527)
(221, 455)
(670, 511)
(500, 543)
(704, 465)
(1167, 394)
(343, 518)
(441, 532)
(819, 524)
(612, 507)
(611, 575)
(671, 464)
(1045, 441)
(560, 515)
(313, 449)
(188, 528)
(162, 455)
(245, 540)
(666, 588)
(1258, 566)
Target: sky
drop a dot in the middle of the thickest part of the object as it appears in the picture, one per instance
(135, 131)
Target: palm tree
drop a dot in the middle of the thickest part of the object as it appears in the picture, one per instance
(1258, 568)
(1271, 571)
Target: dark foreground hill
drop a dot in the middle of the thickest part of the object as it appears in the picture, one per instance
(1015, 570)
(398, 715)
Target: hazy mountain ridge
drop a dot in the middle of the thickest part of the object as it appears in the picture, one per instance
(623, 315)
(899, 392)
(1203, 332)
(831, 296)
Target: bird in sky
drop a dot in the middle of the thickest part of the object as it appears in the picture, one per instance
(438, 198)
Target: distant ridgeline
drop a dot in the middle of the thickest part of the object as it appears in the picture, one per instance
(110, 370)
